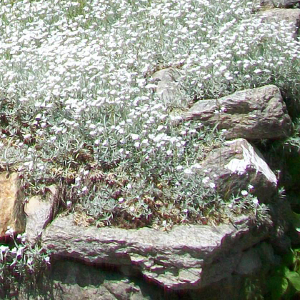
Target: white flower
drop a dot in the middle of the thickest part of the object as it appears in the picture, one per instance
(244, 193)
(20, 251)
(222, 68)
(151, 86)
(255, 201)
(135, 136)
(196, 166)
(27, 136)
(47, 260)
(205, 180)
(9, 231)
(121, 130)
(212, 185)
(14, 250)
(4, 248)
(188, 171)
(145, 142)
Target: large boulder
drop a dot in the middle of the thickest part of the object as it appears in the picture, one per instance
(80, 281)
(279, 3)
(12, 215)
(40, 211)
(186, 257)
(237, 166)
(252, 114)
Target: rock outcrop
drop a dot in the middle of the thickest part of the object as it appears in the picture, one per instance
(12, 215)
(186, 257)
(238, 165)
(40, 211)
(279, 3)
(252, 114)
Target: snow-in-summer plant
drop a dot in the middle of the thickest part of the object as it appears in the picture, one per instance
(78, 108)
(22, 264)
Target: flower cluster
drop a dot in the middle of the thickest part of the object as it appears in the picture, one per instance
(21, 263)
(78, 107)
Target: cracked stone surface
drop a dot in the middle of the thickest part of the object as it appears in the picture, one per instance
(186, 257)
(252, 114)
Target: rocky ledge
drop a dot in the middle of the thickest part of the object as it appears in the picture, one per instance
(186, 257)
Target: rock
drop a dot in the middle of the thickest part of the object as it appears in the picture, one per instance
(267, 256)
(11, 204)
(279, 3)
(78, 281)
(252, 114)
(238, 165)
(40, 212)
(186, 257)
(249, 263)
(122, 292)
(168, 88)
(278, 14)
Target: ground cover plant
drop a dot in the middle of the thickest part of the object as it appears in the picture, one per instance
(78, 107)
(23, 268)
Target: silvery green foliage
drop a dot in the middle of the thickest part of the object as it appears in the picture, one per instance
(77, 108)
(21, 263)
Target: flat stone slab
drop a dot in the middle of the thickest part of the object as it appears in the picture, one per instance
(186, 257)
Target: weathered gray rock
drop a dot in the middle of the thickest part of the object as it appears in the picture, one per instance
(252, 114)
(289, 15)
(279, 3)
(250, 263)
(111, 291)
(78, 281)
(236, 166)
(168, 88)
(11, 204)
(40, 211)
(186, 257)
